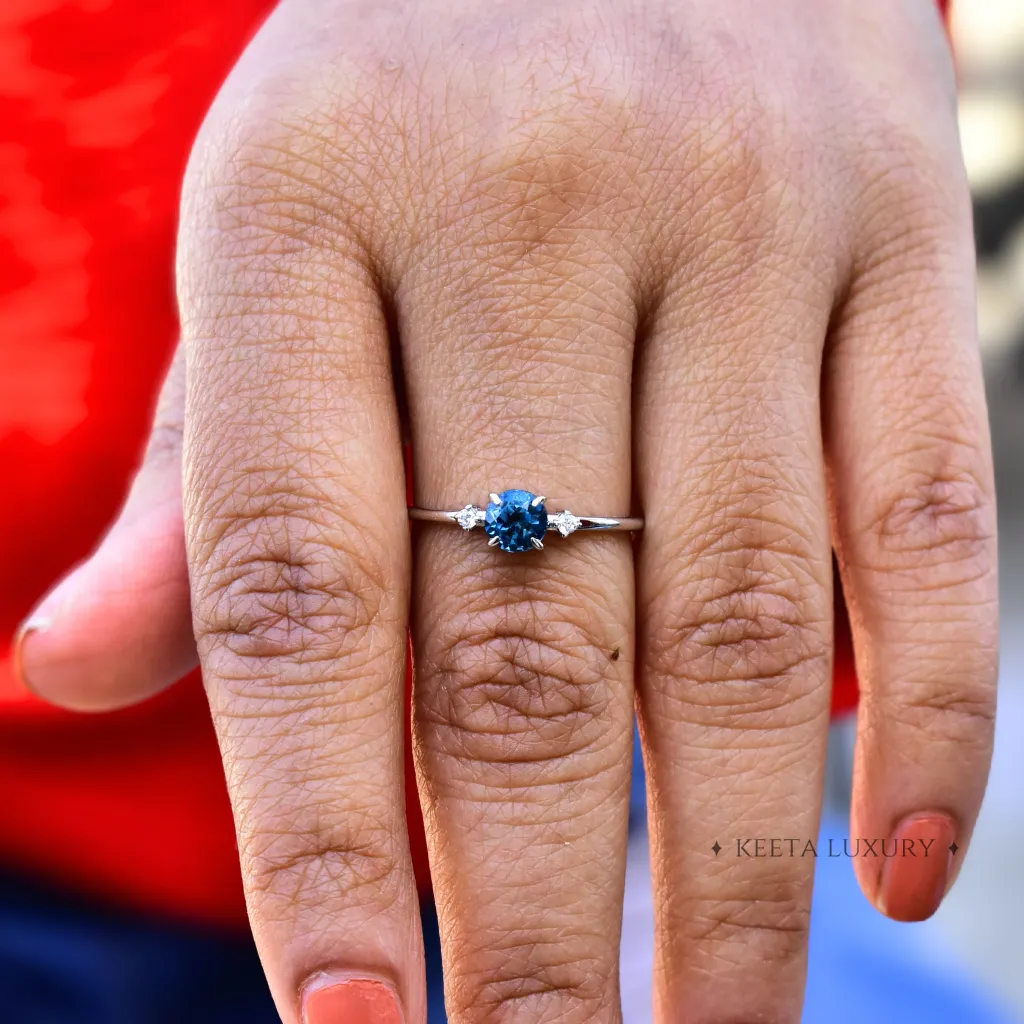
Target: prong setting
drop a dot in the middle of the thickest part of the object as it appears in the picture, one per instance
(517, 520)
(469, 517)
(564, 522)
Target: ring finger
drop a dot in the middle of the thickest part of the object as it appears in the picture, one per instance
(734, 625)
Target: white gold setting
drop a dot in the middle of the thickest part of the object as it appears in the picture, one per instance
(469, 517)
(517, 521)
(564, 522)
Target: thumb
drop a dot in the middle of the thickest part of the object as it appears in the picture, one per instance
(118, 628)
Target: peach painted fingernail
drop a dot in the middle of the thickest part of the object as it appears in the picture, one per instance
(917, 866)
(354, 1001)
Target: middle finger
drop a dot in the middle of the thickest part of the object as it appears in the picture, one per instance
(518, 353)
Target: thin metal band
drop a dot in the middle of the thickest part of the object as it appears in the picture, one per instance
(629, 524)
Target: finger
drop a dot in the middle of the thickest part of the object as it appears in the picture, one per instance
(518, 370)
(734, 623)
(118, 628)
(298, 548)
(912, 491)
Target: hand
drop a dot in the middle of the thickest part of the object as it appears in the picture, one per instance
(708, 258)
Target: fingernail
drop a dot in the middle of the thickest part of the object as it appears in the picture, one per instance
(353, 1001)
(31, 627)
(33, 649)
(918, 863)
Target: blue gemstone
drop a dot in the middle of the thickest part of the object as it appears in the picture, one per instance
(516, 521)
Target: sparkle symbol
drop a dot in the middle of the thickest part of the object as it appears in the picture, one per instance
(716, 848)
(953, 848)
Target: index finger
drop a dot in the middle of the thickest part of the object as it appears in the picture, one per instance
(298, 550)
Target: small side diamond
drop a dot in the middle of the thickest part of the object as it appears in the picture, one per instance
(565, 523)
(469, 517)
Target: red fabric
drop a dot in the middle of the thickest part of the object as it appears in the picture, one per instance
(99, 102)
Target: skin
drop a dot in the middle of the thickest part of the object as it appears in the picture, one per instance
(706, 259)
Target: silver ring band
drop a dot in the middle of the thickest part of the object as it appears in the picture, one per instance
(629, 524)
(518, 520)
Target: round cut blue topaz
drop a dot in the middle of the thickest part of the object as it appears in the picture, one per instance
(516, 521)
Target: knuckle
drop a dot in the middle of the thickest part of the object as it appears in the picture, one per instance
(259, 192)
(533, 985)
(915, 210)
(953, 711)
(519, 681)
(738, 641)
(939, 529)
(281, 584)
(910, 171)
(282, 180)
(597, 152)
(535, 194)
(774, 930)
(302, 867)
(595, 160)
(545, 182)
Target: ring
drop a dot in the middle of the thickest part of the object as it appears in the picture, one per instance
(518, 520)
